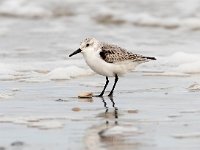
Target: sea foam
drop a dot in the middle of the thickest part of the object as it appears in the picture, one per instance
(184, 62)
(34, 8)
(185, 18)
(68, 73)
(148, 20)
(176, 64)
(41, 71)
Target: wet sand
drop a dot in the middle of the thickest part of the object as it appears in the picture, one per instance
(146, 112)
(155, 108)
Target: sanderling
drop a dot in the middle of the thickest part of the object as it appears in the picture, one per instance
(109, 60)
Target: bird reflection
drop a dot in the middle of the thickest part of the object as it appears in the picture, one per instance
(107, 114)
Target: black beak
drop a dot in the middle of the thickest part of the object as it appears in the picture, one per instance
(75, 52)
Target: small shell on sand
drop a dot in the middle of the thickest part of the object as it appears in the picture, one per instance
(85, 95)
(76, 109)
(132, 111)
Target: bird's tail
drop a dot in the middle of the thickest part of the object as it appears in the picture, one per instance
(150, 58)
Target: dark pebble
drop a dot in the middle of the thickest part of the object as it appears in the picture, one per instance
(2, 148)
(17, 143)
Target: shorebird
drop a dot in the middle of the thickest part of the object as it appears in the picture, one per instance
(109, 60)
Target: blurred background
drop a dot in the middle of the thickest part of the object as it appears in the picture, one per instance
(37, 36)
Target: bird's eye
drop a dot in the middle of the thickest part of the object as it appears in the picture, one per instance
(87, 45)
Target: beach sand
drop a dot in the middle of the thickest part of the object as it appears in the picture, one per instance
(146, 113)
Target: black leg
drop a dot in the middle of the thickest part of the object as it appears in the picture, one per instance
(116, 79)
(107, 81)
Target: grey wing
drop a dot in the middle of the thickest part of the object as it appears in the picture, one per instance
(113, 53)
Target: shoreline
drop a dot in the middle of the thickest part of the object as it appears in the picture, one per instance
(158, 109)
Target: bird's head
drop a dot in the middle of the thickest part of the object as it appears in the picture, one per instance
(87, 45)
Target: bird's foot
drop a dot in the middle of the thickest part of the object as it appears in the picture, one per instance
(100, 95)
(111, 94)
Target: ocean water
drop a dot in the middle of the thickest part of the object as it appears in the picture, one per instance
(39, 83)
(37, 36)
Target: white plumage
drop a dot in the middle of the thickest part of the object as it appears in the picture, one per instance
(109, 60)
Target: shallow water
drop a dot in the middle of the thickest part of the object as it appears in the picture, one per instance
(154, 107)
(164, 114)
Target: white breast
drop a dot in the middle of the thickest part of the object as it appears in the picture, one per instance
(97, 64)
